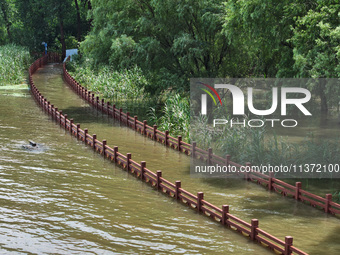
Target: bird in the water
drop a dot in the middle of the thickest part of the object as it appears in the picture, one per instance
(31, 146)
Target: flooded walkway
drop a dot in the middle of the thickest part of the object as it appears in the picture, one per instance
(66, 199)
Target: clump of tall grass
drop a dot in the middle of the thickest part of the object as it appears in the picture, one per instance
(109, 83)
(14, 62)
(201, 132)
(174, 116)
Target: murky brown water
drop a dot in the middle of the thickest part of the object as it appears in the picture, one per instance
(65, 199)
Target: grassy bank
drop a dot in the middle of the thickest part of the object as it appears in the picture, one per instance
(14, 62)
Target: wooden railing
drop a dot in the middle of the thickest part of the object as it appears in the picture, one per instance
(156, 180)
(273, 184)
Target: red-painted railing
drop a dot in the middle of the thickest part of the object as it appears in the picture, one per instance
(156, 180)
(268, 181)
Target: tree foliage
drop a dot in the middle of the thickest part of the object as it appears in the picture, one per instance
(31, 22)
(172, 40)
(289, 39)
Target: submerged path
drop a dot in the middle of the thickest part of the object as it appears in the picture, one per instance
(277, 215)
(63, 199)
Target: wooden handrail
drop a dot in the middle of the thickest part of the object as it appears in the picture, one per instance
(200, 203)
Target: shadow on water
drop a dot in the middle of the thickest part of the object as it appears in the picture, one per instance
(78, 114)
(332, 239)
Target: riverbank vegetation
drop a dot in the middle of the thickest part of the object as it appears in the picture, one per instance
(173, 41)
(147, 51)
(128, 84)
(14, 63)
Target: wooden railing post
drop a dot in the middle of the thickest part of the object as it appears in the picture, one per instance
(327, 204)
(254, 226)
(144, 127)
(71, 123)
(158, 176)
(60, 114)
(227, 160)
(209, 155)
(55, 114)
(115, 153)
(135, 123)
(104, 145)
(225, 211)
(179, 142)
(297, 190)
(128, 157)
(92, 99)
(200, 196)
(270, 181)
(142, 169)
(94, 141)
(154, 132)
(103, 102)
(120, 114)
(52, 114)
(77, 131)
(97, 102)
(193, 149)
(288, 244)
(86, 131)
(177, 191)
(166, 142)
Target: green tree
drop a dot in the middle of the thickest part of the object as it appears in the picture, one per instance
(316, 49)
(289, 39)
(263, 30)
(30, 22)
(4, 8)
(171, 40)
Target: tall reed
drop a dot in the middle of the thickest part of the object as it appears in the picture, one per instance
(174, 115)
(14, 62)
(109, 83)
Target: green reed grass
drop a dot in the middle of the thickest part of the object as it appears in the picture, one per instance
(174, 115)
(109, 83)
(14, 62)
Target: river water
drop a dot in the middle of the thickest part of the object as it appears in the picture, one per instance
(65, 199)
